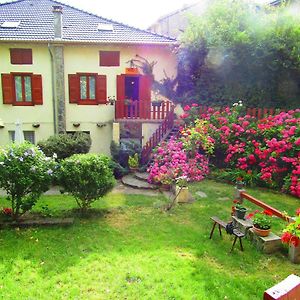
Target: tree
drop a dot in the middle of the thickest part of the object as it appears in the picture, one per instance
(237, 51)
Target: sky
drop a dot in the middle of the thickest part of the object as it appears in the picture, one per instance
(137, 13)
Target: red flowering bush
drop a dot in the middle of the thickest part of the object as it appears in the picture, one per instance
(7, 211)
(171, 161)
(263, 152)
(291, 234)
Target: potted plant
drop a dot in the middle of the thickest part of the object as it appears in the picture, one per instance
(240, 210)
(291, 237)
(261, 222)
(133, 162)
(111, 100)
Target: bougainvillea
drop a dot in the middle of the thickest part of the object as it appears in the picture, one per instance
(264, 152)
(171, 161)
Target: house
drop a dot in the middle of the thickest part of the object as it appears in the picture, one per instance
(60, 65)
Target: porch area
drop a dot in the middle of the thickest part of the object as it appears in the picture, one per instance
(142, 110)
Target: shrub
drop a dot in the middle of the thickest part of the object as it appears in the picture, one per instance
(65, 145)
(117, 169)
(25, 174)
(86, 177)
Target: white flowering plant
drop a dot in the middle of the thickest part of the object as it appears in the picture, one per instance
(26, 173)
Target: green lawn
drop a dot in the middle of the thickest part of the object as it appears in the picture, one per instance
(130, 249)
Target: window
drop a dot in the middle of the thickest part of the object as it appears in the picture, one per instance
(28, 136)
(109, 58)
(87, 89)
(20, 56)
(22, 89)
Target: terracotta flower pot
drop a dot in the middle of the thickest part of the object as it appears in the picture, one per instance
(261, 232)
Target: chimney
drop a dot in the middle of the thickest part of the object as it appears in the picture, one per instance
(57, 12)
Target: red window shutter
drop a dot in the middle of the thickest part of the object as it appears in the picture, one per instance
(145, 96)
(7, 88)
(37, 89)
(74, 88)
(109, 58)
(101, 94)
(21, 56)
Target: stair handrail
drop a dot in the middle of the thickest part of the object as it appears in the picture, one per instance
(157, 136)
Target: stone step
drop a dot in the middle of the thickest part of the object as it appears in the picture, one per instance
(132, 181)
(141, 175)
(242, 225)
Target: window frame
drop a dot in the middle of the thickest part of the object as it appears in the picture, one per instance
(87, 101)
(22, 103)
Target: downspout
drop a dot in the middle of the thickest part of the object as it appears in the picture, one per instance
(53, 90)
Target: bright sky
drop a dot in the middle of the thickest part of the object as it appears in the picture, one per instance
(137, 13)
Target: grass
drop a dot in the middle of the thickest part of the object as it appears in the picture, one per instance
(129, 249)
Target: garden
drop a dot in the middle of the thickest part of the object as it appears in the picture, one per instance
(117, 242)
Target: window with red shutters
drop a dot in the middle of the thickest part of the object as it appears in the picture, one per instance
(20, 56)
(109, 58)
(87, 89)
(23, 89)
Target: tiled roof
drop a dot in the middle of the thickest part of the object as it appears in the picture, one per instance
(36, 24)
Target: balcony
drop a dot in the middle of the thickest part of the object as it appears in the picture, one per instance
(142, 110)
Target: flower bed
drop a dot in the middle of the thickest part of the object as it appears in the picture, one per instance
(263, 152)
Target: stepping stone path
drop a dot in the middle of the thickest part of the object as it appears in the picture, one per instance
(201, 194)
(138, 181)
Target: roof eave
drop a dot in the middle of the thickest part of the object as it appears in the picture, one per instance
(60, 41)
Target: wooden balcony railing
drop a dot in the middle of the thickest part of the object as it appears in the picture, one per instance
(142, 110)
(158, 135)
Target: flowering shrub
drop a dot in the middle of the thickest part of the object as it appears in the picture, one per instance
(263, 152)
(171, 161)
(25, 174)
(291, 234)
(87, 177)
(261, 220)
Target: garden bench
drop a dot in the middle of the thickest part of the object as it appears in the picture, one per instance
(221, 224)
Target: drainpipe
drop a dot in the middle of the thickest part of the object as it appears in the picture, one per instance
(53, 90)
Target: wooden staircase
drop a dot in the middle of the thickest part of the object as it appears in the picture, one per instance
(165, 129)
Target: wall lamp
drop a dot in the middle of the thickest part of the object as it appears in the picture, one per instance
(36, 125)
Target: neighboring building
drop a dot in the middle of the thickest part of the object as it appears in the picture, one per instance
(175, 23)
(59, 65)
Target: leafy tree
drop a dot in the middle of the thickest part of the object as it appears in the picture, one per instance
(237, 51)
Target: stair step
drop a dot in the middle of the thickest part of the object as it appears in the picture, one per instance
(132, 181)
(142, 176)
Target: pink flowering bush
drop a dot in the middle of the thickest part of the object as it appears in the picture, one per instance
(264, 152)
(171, 161)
